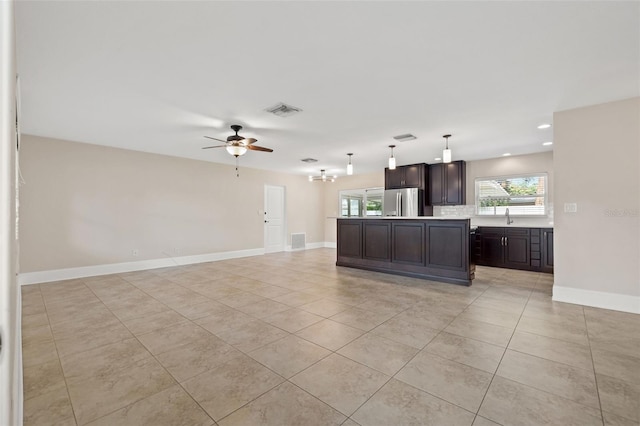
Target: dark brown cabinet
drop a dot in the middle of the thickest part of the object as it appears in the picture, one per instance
(411, 176)
(426, 248)
(529, 249)
(547, 250)
(447, 184)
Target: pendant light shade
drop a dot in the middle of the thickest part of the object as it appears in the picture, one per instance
(350, 166)
(446, 152)
(392, 159)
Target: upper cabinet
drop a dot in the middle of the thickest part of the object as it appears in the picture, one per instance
(411, 176)
(447, 184)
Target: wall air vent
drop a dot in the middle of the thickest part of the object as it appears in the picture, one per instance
(298, 241)
(309, 160)
(283, 110)
(405, 137)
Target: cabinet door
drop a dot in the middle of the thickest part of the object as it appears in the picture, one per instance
(414, 176)
(516, 248)
(393, 179)
(547, 250)
(454, 187)
(376, 240)
(350, 238)
(491, 248)
(436, 184)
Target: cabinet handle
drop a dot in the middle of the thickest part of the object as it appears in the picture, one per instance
(501, 241)
(506, 241)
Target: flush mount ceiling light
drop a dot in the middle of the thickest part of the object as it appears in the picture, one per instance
(506, 154)
(544, 126)
(350, 166)
(547, 143)
(323, 177)
(392, 159)
(446, 152)
(309, 160)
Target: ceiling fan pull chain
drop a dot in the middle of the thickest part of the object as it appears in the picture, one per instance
(237, 172)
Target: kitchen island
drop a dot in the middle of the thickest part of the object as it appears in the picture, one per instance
(423, 247)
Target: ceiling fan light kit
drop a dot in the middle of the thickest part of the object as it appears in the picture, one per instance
(237, 145)
(446, 152)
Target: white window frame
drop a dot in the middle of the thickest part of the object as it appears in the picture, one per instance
(514, 210)
(362, 194)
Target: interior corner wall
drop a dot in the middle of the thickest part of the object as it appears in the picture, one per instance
(332, 194)
(597, 163)
(10, 297)
(84, 205)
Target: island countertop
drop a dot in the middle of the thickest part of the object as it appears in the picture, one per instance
(433, 248)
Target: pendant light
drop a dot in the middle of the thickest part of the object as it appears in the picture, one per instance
(446, 152)
(350, 166)
(392, 159)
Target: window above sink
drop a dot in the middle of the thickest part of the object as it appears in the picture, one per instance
(522, 195)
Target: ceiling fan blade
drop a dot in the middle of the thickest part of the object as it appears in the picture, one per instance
(215, 139)
(259, 148)
(215, 146)
(249, 141)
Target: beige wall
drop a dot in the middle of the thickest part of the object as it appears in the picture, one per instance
(597, 158)
(85, 205)
(331, 194)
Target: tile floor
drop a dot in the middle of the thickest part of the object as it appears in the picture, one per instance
(291, 339)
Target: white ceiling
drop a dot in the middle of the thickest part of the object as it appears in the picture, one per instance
(158, 76)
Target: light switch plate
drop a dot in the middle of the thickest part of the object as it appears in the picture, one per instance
(570, 207)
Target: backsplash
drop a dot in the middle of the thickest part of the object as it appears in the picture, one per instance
(469, 210)
(465, 210)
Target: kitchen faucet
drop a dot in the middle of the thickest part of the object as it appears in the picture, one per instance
(509, 220)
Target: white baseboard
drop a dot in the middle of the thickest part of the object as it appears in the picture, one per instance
(597, 299)
(116, 268)
(311, 246)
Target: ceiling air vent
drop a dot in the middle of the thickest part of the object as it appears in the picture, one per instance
(283, 110)
(309, 160)
(405, 137)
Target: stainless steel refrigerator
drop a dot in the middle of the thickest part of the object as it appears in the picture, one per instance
(401, 202)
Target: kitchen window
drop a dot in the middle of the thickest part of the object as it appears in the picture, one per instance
(361, 202)
(524, 195)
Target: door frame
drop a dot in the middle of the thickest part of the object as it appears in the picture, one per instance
(284, 216)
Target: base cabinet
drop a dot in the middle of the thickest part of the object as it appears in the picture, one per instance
(438, 250)
(528, 249)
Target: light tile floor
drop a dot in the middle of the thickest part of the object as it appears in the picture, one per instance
(291, 339)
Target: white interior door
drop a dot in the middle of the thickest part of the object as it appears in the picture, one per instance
(274, 218)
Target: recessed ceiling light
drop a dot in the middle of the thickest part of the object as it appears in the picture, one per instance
(506, 154)
(544, 126)
(437, 159)
(547, 143)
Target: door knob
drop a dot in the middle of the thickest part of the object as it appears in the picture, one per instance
(266, 221)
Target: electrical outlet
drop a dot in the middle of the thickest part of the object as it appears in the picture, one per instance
(134, 252)
(570, 207)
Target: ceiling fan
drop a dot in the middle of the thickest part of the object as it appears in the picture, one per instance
(237, 145)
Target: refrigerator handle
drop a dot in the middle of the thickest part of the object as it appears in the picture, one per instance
(399, 203)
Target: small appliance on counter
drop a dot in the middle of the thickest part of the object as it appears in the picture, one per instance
(401, 202)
